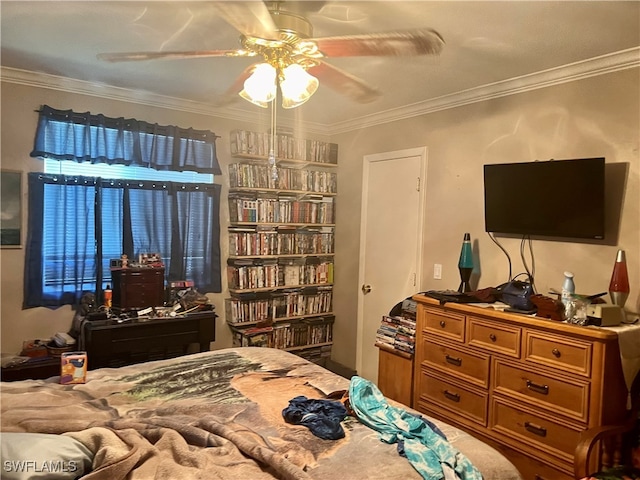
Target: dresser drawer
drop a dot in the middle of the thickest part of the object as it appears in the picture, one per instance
(568, 355)
(444, 324)
(536, 430)
(565, 396)
(494, 337)
(462, 401)
(458, 362)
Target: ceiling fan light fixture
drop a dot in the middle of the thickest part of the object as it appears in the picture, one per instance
(260, 87)
(297, 86)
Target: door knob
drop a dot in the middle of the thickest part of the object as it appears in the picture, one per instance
(366, 289)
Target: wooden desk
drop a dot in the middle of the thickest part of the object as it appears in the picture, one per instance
(112, 344)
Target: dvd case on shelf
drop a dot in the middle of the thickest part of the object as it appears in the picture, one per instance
(280, 268)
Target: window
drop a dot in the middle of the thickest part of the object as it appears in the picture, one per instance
(95, 202)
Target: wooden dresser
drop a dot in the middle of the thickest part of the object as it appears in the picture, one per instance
(135, 288)
(525, 385)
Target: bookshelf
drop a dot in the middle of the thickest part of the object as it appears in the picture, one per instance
(281, 244)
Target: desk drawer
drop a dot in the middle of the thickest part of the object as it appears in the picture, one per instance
(568, 355)
(540, 431)
(463, 401)
(562, 395)
(458, 362)
(445, 325)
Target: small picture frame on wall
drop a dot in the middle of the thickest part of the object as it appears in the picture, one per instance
(11, 209)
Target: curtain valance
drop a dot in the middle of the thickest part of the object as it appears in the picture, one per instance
(170, 186)
(85, 137)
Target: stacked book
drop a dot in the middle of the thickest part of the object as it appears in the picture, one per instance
(397, 333)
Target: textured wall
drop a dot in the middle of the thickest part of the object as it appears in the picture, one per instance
(599, 116)
(595, 117)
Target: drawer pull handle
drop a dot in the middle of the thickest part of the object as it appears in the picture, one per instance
(542, 389)
(535, 429)
(455, 397)
(443, 323)
(453, 360)
(493, 337)
(538, 477)
(556, 353)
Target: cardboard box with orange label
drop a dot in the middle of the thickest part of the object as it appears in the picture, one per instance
(73, 368)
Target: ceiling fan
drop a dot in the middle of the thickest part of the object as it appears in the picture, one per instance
(292, 58)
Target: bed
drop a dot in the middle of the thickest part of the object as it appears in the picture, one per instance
(213, 415)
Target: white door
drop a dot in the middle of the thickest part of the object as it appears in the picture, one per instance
(390, 241)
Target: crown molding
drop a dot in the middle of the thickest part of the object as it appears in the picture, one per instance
(622, 60)
(83, 87)
(601, 65)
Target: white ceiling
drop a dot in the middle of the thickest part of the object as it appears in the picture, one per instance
(487, 43)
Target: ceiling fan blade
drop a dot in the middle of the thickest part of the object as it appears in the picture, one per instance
(231, 95)
(137, 56)
(345, 83)
(250, 18)
(401, 43)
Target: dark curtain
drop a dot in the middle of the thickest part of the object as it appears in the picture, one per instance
(77, 224)
(83, 137)
(199, 236)
(60, 266)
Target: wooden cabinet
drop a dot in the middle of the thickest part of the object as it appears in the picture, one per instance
(281, 248)
(527, 386)
(135, 288)
(395, 375)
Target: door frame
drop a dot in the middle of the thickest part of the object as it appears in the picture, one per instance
(367, 161)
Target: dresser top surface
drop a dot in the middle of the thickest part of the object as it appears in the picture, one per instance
(484, 309)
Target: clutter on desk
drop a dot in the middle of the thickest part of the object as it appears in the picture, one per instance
(180, 299)
(34, 348)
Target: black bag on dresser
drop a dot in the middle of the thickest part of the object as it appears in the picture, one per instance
(517, 293)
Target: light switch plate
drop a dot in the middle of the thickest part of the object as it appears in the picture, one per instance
(437, 271)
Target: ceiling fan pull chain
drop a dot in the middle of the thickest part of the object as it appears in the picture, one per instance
(272, 155)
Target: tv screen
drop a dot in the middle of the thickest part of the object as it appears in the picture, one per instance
(555, 198)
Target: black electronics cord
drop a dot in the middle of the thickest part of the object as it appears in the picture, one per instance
(530, 271)
(503, 249)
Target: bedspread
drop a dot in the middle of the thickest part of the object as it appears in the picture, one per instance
(214, 415)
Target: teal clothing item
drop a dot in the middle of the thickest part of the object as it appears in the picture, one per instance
(425, 449)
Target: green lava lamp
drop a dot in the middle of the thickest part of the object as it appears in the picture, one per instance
(465, 264)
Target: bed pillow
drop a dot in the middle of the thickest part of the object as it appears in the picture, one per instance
(41, 456)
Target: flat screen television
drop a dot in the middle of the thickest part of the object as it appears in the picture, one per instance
(553, 198)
